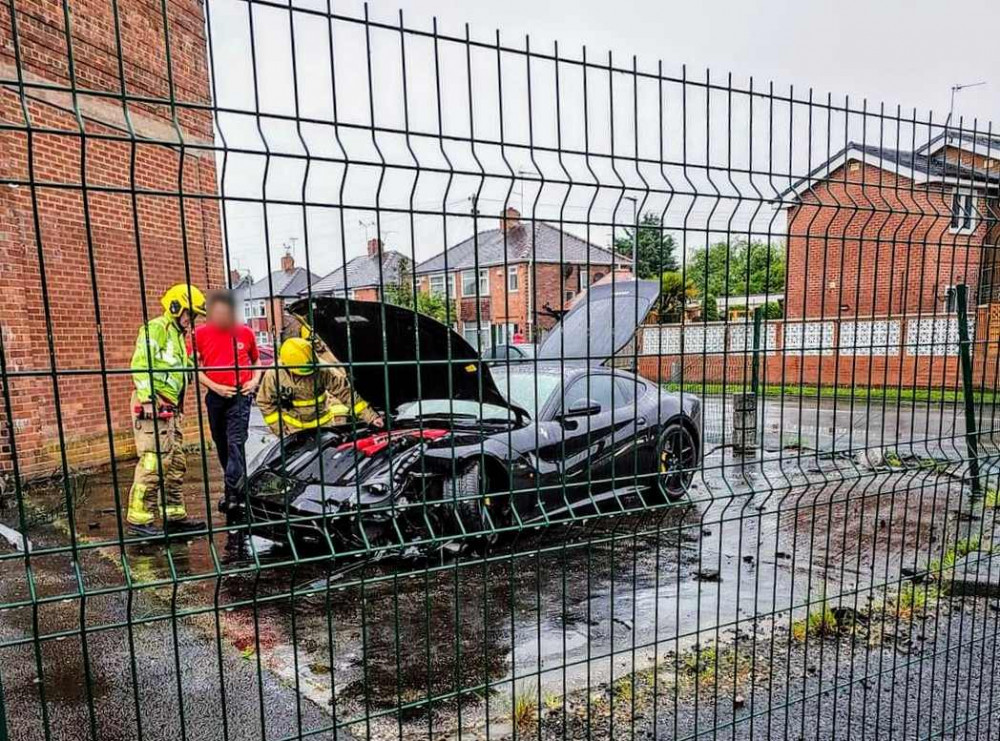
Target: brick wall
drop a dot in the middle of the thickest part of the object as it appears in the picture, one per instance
(866, 241)
(86, 216)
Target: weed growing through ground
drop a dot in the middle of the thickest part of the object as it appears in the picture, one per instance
(524, 710)
(818, 623)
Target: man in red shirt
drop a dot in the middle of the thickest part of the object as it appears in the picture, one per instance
(227, 355)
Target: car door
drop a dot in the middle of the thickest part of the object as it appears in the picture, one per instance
(580, 449)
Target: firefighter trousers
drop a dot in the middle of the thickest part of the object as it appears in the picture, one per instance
(159, 444)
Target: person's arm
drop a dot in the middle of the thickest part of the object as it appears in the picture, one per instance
(251, 386)
(339, 386)
(220, 389)
(148, 350)
(268, 402)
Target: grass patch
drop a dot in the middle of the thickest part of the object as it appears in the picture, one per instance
(962, 548)
(858, 393)
(708, 666)
(992, 499)
(524, 708)
(817, 624)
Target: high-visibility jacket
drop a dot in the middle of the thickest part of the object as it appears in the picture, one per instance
(292, 402)
(160, 348)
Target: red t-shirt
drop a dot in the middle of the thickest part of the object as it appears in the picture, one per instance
(226, 348)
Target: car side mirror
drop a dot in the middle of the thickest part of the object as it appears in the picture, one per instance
(581, 408)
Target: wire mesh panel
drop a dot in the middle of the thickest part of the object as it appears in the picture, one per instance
(369, 377)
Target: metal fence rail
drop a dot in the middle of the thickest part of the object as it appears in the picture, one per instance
(627, 400)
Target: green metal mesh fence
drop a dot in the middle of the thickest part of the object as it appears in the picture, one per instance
(569, 395)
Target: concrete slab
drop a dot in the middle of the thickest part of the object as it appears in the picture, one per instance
(977, 574)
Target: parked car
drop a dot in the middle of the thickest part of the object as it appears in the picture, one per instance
(471, 451)
(503, 354)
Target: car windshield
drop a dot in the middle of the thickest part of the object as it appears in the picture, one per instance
(519, 388)
(457, 408)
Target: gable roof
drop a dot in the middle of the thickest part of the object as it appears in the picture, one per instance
(922, 166)
(281, 284)
(537, 242)
(363, 272)
(977, 142)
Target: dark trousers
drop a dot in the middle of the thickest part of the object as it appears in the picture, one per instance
(228, 419)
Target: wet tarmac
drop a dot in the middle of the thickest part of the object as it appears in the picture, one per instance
(401, 647)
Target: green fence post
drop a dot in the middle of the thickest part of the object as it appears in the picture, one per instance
(758, 314)
(965, 355)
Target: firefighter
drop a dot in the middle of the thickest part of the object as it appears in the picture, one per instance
(303, 396)
(160, 366)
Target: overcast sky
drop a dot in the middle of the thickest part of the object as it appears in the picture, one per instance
(897, 53)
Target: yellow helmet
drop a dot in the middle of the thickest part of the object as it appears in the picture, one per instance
(183, 297)
(305, 333)
(296, 354)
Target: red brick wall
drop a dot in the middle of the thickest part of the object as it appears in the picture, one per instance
(158, 237)
(868, 242)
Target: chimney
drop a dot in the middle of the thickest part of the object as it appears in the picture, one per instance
(510, 219)
(287, 263)
(374, 247)
(234, 277)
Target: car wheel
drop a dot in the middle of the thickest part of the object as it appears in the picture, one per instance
(676, 460)
(471, 511)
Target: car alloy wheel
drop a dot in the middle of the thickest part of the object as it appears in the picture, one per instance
(677, 456)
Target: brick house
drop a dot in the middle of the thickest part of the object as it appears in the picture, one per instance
(264, 303)
(876, 232)
(519, 276)
(877, 240)
(363, 277)
(92, 252)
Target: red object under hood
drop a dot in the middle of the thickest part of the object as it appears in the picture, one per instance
(369, 446)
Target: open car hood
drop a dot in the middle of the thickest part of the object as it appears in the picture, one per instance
(602, 323)
(393, 338)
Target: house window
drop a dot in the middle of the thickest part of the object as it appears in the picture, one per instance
(584, 277)
(963, 212)
(477, 335)
(469, 283)
(246, 310)
(437, 283)
(950, 299)
(568, 296)
(512, 278)
(258, 309)
(263, 339)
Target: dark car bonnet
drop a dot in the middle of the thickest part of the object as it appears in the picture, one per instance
(405, 350)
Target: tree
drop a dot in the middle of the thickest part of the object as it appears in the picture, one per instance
(656, 247)
(709, 308)
(738, 269)
(433, 305)
(675, 292)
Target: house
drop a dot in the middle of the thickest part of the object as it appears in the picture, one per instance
(264, 302)
(363, 277)
(514, 281)
(875, 231)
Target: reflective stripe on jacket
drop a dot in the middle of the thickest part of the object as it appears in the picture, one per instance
(306, 402)
(160, 348)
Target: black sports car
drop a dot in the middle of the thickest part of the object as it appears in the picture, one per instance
(471, 452)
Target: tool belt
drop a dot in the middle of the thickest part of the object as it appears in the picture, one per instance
(163, 411)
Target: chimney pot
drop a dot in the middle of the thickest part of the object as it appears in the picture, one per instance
(287, 263)
(374, 246)
(510, 219)
(234, 277)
